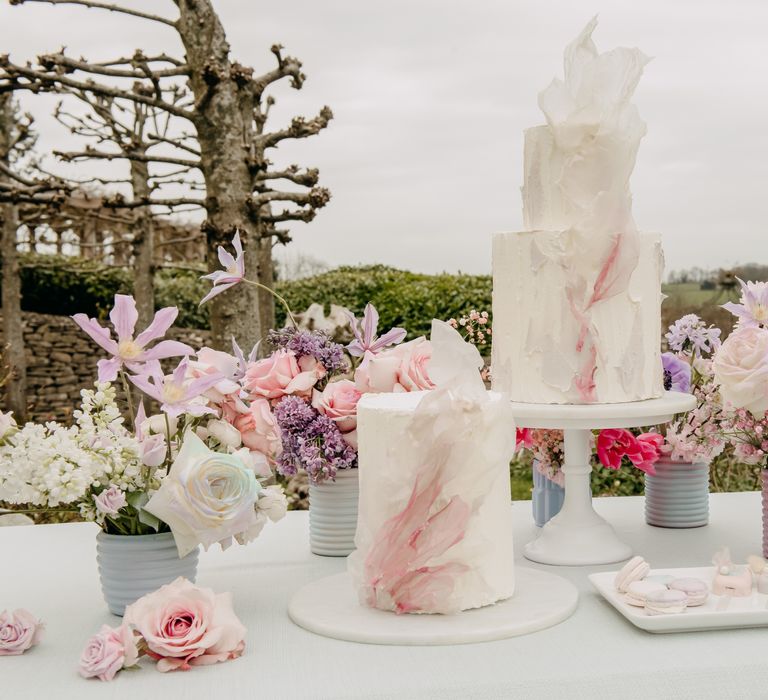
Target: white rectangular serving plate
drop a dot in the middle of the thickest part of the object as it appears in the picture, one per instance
(715, 614)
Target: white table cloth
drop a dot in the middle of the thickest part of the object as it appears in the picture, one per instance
(51, 570)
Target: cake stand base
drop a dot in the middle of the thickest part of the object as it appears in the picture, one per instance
(329, 607)
(578, 536)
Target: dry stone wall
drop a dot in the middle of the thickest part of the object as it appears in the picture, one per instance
(61, 360)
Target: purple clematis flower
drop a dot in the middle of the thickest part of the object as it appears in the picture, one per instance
(176, 394)
(232, 274)
(366, 343)
(242, 362)
(753, 309)
(126, 350)
(677, 373)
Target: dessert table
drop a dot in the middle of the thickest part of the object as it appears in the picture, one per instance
(51, 570)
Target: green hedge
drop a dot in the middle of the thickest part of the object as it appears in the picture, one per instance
(64, 286)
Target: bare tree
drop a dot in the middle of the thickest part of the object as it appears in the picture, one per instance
(16, 139)
(229, 111)
(142, 135)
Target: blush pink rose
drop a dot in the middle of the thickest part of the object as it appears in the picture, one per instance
(107, 652)
(184, 626)
(110, 501)
(282, 373)
(19, 631)
(741, 369)
(402, 368)
(338, 401)
(259, 429)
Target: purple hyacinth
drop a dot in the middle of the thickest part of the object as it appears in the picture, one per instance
(677, 373)
(311, 442)
(310, 344)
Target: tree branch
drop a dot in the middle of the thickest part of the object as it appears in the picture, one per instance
(73, 156)
(307, 178)
(103, 6)
(300, 128)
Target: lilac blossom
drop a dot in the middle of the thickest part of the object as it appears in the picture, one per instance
(310, 344)
(691, 334)
(677, 373)
(233, 272)
(753, 309)
(126, 350)
(311, 442)
(366, 343)
(176, 394)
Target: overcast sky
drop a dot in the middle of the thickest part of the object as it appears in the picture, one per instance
(431, 97)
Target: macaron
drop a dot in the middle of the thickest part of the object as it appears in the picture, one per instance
(666, 602)
(663, 579)
(636, 569)
(696, 590)
(638, 591)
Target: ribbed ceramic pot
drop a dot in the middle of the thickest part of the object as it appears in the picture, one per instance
(765, 513)
(333, 515)
(678, 495)
(131, 566)
(547, 498)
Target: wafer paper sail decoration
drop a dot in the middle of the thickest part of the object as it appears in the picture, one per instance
(434, 530)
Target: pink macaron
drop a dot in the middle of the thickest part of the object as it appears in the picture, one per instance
(636, 569)
(666, 602)
(696, 590)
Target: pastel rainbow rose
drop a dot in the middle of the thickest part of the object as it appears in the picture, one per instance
(207, 497)
(741, 369)
(402, 368)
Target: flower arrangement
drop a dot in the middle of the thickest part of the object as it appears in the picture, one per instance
(179, 626)
(740, 368)
(199, 468)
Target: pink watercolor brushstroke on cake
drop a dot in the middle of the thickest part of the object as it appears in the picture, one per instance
(396, 567)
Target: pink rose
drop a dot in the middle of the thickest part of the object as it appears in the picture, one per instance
(259, 428)
(741, 369)
(282, 373)
(338, 401)
(403, 368)
(110, 501)
(107, 652)
(184, 626)
(19, 630)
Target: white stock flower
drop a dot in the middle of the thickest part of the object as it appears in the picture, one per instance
(273, 503)
(225, 433)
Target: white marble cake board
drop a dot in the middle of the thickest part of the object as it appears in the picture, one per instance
(329, 607)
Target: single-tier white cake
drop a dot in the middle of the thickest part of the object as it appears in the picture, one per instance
(434, 530)
(577, 297)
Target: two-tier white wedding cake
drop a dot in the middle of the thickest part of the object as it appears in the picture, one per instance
(577, 296)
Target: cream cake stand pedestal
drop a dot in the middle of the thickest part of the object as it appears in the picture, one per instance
(329, 607)
(577, 535)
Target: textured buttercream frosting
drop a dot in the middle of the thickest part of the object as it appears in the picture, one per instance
(472, 482)
(577, 298)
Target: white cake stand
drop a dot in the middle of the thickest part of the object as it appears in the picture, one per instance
(329, 607)
(577, 536)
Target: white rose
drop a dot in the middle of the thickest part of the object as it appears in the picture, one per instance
(273, 503)
(207, 497)
(741, 369)
(225, 433)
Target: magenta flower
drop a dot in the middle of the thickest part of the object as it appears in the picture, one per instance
(175, 392)
(753, 309)
(233, 272)
(126, 350)
(366, 343)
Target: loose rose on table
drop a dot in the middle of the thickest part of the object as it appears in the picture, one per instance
(109, 651)
(20, 630)
(182, 625)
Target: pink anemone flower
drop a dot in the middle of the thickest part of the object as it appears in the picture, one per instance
(126, 350)
(233, 272)
(175, 393)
